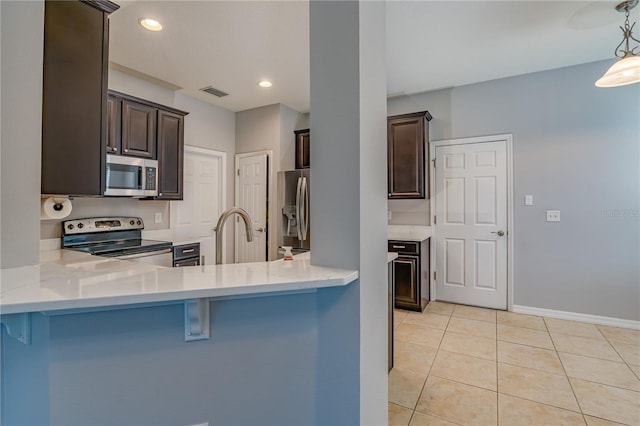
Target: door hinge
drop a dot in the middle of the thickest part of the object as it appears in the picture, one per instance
(434, 163)
(434, 275)
(238, 171)
(434, 220)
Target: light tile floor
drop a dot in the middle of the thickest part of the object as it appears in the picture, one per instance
(463, 365)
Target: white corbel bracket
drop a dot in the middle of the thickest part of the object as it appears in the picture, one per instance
(18, 326)
(196, 319)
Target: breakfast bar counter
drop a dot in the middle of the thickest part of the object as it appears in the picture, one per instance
(74, 280)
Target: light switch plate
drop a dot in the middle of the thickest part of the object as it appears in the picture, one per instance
(158, 217)
(528, 200)
(553, 215)
(389, 215)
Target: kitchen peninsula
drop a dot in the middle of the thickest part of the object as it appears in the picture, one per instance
(104, 332)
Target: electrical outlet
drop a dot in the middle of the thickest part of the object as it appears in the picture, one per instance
(553, 215)
(158, 218)
(389, 215)
(528, 200)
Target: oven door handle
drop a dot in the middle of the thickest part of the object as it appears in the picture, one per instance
(144, 254)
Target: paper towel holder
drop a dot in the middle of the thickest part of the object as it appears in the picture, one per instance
(59, 203)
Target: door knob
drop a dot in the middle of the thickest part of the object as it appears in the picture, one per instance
(500, 233)
(260, 229)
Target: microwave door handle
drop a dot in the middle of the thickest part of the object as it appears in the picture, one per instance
(305, 209)
(142, 178)
(298, 212)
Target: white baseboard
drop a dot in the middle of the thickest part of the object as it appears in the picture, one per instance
(574, 316)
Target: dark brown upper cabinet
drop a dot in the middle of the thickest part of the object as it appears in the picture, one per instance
(138, 129)
(170, 155)
(407, 135)
(302, 149)
(114, 125)
(74, 96)
(141, 128)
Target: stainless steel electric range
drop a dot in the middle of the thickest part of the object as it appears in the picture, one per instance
(119, 237)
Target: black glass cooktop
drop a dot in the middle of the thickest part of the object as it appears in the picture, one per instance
(122, 247)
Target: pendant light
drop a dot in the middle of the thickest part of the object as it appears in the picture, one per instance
(627, 69)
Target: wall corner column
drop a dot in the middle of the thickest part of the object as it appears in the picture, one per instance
(348, 206)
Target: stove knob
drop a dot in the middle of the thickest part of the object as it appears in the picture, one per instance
(139, 222)
(80, 226)
(131, 223)
(70, 226)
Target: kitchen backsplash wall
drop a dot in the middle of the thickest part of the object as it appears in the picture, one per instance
(409, 212)
(97, 207)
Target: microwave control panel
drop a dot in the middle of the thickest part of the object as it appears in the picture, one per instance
(151, 178)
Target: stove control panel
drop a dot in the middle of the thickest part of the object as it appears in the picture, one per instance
(101, 224)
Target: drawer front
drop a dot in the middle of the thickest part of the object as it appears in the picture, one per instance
(408, 247)
(186, 251)
(186, 262)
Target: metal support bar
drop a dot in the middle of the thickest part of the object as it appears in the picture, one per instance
(18, 326)
(196, 319)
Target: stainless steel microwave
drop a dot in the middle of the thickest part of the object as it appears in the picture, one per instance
(131, 176)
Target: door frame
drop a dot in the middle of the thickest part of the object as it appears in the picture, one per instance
(271, 233)
(190, 149)
(508, 138)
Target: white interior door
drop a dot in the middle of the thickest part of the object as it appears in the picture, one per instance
(195, 216)
(252, 180)
(471, 223)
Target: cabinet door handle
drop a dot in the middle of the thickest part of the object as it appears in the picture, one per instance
(398, 247)
(188, 250)
(126, 150)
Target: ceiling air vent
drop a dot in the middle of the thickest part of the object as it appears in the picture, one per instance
(215, 92)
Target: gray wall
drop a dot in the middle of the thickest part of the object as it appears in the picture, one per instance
(348, 84)
(576, 149)
(270, 128)
(21, 26)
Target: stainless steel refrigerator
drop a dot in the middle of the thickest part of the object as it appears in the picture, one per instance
(293, 210)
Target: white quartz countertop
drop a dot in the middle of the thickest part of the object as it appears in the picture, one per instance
(408, 232)
(67, 279)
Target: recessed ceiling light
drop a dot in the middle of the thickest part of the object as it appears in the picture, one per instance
(265, 84)
(150, 24)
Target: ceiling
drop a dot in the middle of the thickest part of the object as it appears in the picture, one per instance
(231, 45)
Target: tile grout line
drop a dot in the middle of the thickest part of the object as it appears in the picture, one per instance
(623, 361)
(429, 372)
(619, 354)
(566, 375)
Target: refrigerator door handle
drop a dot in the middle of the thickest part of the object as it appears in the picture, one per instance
(305, 209)
(298, 210)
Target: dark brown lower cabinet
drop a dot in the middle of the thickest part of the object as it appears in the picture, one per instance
(411, 274)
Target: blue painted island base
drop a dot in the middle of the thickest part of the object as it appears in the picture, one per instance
(133, 366)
